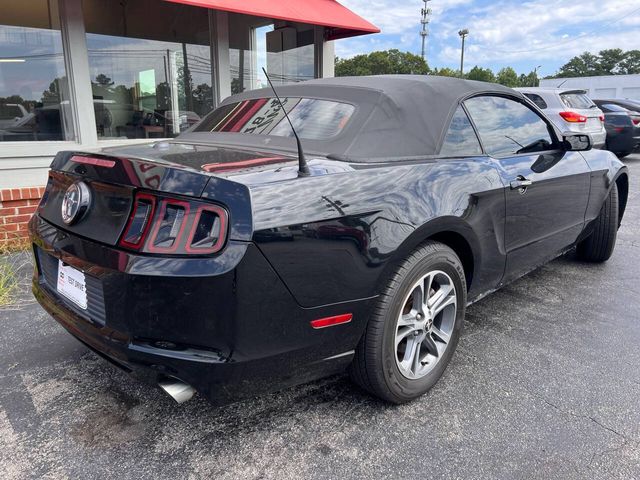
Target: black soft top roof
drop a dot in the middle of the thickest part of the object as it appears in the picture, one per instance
(397, 116)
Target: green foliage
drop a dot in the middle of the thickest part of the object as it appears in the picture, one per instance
(481, 74)
(446, 72)
(507, 77)
(613, 61)
(381, 62)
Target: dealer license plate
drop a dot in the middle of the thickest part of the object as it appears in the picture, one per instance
(71, 285)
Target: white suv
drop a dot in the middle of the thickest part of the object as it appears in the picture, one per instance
(570, 110)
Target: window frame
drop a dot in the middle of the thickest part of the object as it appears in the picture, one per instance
(445, 131)
(526, 103)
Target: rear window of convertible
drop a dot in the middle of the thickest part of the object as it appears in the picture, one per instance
(314, 119)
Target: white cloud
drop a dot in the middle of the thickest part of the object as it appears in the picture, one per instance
(542, 29)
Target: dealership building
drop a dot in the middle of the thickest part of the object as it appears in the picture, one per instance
(85, 74)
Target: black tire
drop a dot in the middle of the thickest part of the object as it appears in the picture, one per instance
(374, 367)
(599, 245)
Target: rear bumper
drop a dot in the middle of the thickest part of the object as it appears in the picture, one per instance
(228, 333)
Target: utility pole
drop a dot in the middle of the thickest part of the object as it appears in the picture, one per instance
(424, 20)
(463, 34)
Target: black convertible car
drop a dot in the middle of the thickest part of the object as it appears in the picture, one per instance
(225, 262)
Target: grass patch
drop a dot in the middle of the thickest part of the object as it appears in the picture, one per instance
(12, 245)
(9, 285)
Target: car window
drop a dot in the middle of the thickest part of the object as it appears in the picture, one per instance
(313, 119)
(537, 99)
(508, 127)
(461, 139)
(610, 107)
(576, 100)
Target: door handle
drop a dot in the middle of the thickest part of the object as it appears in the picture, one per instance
(520, 183)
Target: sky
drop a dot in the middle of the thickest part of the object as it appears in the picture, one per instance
(523, 35)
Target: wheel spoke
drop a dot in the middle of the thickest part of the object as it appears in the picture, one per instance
(428, 281)
(409, 353)
(442, 298)
(440, 335)
(431, 346)
(403, 333)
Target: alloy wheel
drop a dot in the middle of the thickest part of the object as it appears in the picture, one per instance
(425, 324)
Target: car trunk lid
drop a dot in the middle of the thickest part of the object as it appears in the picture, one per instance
(166, 169)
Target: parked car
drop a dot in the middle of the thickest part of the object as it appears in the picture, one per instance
(416, 195)
(11, 113)
(623, 134)
(628, 103)
(571, 111)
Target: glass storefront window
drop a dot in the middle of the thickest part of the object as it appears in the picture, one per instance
(150, 67)
(34, 91)
(285, 51)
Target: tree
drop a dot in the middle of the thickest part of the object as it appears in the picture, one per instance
(507, 77)
(446, 72)
(613, 61)
(529, 80)
(481, 74)
(631, 63)
(381, 62)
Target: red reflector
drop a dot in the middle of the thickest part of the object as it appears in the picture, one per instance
(99, 162)
(636, 121)
(331, 321)
(573, 117)
(601, 117)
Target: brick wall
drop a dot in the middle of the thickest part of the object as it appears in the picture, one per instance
(16, 207)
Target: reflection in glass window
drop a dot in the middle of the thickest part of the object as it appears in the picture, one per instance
(313, 119)
(460, 140)
(286, 52)
(507, 127)
(34, 91)
(150, 67)
(576, 100)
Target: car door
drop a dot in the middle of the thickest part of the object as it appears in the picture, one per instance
(546, 187)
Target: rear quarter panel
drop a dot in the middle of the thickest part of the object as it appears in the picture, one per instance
(335, 238)
(605, 169)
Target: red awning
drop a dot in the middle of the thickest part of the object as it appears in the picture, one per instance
(340, 21)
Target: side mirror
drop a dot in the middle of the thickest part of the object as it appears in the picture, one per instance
(577, 142)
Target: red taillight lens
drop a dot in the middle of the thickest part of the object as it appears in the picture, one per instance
(168, 225)
(636, 121)
(573, 117)
(207, 232)
(601, 117)
(139, 221)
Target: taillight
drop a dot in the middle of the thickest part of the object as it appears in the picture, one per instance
(636, 121)
(601, 117)
(573, 117)
(139, 221)
(174, 226)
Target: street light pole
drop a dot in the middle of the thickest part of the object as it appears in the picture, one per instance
(463, 34)
(535, 75)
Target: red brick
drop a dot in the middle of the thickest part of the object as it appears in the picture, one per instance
(9, 228)
(34, 202)
(25, 210)
(15, 194)
(17, 203)
(5, 195)
(7, 211)
(17, 218)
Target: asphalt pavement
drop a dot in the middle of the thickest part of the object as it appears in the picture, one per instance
(545, 384)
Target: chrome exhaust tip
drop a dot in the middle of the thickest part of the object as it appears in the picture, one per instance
(178, 390)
